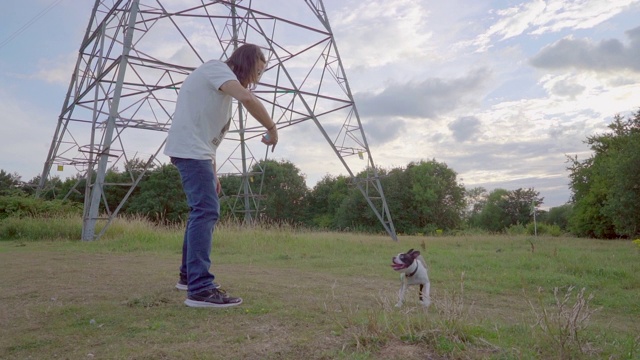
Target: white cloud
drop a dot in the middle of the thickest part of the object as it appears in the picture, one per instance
(567, 87)
(381, 32)
(540, 17)
(578, 14)
(56, 70)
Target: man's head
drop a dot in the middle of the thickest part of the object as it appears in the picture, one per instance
(248, 63)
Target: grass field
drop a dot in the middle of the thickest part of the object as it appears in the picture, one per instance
(314, 295)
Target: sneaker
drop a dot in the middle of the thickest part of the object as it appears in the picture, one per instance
(215, 298)
(182, 283)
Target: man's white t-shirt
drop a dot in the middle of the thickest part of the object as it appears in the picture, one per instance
(203, 113)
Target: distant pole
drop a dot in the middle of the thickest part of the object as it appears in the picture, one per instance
(535, 224)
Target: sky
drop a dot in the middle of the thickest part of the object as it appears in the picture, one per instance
(500, 91)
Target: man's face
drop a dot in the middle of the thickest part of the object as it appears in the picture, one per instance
(260, 66)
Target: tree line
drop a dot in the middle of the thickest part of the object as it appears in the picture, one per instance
(424, 197)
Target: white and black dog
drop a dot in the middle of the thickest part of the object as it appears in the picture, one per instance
(413, 271)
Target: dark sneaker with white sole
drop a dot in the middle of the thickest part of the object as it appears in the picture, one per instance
(182, 283)
(213, 298)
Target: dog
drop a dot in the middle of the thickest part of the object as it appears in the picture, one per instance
(413, 271)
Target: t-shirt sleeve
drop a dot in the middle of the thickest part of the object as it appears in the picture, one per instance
(218, 73)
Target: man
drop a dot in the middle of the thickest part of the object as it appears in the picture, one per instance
(202, 118)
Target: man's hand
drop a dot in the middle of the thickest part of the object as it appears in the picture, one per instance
(271, 137)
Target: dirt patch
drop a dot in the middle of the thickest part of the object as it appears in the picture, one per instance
(401, 351)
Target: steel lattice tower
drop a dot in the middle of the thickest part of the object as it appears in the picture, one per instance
(133, 59)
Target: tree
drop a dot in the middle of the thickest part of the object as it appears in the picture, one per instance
(285, 190)
(324, 200)
(623, 200)
(73, 189)
(505, 208)
(560, 216)
(493, 217)
(520, 204)
(231, 185)
(400, 201)
(354, 211)
(475, 199)
(118, 184)
(604, 187)
(160, 197)
(9, 183)
(422, 197)
(437, 196)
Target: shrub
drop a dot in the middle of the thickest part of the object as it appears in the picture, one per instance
(24, 206)
(517, 229)
(544, 229)
(39, 228)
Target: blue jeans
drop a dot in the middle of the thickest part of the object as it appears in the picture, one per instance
(199, 184)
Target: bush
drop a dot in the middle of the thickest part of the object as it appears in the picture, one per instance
(517, 229)
(533, 229)
(544, 229)
(38, 228)
(560, 216)
(469, 231)
(24, 206)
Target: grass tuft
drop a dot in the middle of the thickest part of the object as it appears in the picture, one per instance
(564, 322)
(149, 301)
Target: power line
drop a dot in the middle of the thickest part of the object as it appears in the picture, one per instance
(29, 23)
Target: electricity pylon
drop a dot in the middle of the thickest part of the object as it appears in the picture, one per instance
(136, 54)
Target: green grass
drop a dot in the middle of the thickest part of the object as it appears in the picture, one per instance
(314, 295)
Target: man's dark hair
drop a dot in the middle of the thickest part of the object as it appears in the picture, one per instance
(243, 62)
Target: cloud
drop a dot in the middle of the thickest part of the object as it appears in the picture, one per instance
(464, 128)
(425, 99)
(578, 14)
(567, 88)
(383, 130)
(604, 56)
(56, 70)
(516, 20)
(381, 32)
(541, 17)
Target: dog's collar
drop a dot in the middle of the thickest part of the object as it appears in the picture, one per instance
(414, 271)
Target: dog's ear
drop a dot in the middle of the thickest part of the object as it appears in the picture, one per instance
(414, 254)
(410, 251)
